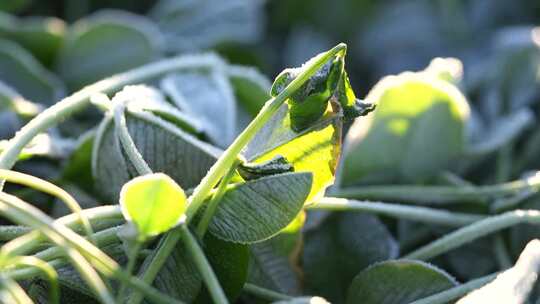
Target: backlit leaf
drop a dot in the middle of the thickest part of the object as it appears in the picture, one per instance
(314, 150)
(154, 203)
(416, 131)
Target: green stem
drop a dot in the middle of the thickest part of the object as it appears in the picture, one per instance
(229, 156)
(507, 203)
(501, 253)
(213, 204)
(474, 231)
(204, 267)
(414, 213)
(29, 242)
(16, 292)
(131, 150)
(265, 294)
(78, 101)
(452, 294)
(21, 211)
(439, 194)
(132, 260)
(49, 188)
(45, 268)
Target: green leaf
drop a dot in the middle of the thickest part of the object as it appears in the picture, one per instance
(194, 25)
(19, 70)
(417, 130)
(179, 276)
(274, 263)
(251, 88)
(314, 150)
(397, 282)
(78, 167)
(208, 96)
(42, 36)
(257, 210)
(164, 146)
(340, 248)
(272, 270)
(154, 203)
(107, 43)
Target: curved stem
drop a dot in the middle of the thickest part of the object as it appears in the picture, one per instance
(49, 188)
(78, 101)
(66, 238)
(29, 242)
(204, 267)
(414, 213)
(45, 268)
(456, 292)
(131, 150)
(439, 194)
(474, 231)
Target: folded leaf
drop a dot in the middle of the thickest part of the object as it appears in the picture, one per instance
(314, 150)
(165, 148)
(208, 96)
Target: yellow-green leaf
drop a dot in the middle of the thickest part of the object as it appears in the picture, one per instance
(154, 203)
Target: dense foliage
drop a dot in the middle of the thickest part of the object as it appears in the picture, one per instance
(145, 156)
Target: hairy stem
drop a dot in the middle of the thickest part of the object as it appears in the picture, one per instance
(213, 204)
(49, 188)
(132, 259)
(204, 267)
(439, 194)
(127, 142)
(473, 232)
(414, 213)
